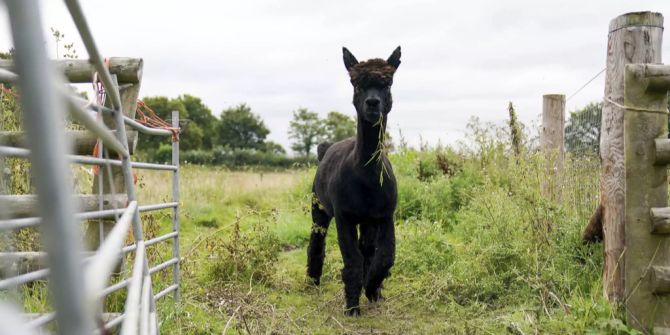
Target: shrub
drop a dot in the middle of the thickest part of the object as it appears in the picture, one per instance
(422, 247)
(427, 193)
(163, 154)
(249, 255)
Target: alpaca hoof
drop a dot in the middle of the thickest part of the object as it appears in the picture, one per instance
(315, 281)
(374, 296)
(353, 311)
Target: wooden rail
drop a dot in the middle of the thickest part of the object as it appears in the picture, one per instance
(647, 217)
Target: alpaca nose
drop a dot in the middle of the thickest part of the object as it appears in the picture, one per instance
(372, 102)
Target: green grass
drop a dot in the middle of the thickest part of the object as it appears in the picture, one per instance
(479, 251)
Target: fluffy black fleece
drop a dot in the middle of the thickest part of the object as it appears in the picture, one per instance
(374, 72)
(347, 187)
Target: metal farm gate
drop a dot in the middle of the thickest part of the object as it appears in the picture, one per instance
(78, 282)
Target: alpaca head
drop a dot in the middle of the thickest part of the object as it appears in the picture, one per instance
(372, 82)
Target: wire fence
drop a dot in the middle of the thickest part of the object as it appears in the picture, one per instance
(78, 282)
(581, 176)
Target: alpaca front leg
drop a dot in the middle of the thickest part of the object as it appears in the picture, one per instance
(352, 274)
(366, 243)
(383, 260)
(316, 251)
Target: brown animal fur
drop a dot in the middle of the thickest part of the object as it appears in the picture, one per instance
(594, 231)
(374, 72)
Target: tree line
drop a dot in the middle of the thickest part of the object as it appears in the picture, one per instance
(239, 135)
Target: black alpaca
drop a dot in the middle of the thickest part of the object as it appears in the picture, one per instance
(355, 184)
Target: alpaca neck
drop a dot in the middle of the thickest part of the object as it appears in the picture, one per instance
(367, 142)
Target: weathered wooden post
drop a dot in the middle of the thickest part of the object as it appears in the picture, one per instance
(551, 143)
(128, 74)
(647, 220)
(633, 38)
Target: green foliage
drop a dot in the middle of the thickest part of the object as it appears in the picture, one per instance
(8, 54)
(338, 126)
(426, 191)
(239, 134)
(423, 248)
(198, 126)
(244, 256)
(199, 114)
(163, 107)
(15, 176)
(306, 130)
(235, 158)
(478, 250)
(515, 130)
(70, 51)
(273, 147)
(239, 128)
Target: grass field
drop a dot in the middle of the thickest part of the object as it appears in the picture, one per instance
(479, 251)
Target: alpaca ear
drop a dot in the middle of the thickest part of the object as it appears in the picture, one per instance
(349, 59)
(394, 59)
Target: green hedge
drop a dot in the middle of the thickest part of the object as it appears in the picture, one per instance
(229, 158)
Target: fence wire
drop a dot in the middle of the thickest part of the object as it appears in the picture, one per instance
(581, 177)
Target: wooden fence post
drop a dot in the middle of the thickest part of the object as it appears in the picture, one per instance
(552, 138)
(128, 72)
(633, 38)
(647, 216)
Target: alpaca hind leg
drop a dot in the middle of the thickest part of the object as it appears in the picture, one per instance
(382, 261)
(352, 273)
(316, 251)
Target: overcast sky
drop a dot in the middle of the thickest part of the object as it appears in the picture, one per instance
(459, 58)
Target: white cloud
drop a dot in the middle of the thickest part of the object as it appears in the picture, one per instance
(460, 59)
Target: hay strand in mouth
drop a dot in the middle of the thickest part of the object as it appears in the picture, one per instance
(382, 150)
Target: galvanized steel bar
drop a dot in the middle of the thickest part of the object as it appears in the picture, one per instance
(41, 320)
(113, 288)
(114, 143)
(21, 223)
(147, 243)
(77, 320)
(123, 283)
(132, 306)
(100, 179)
(43, 110)
(163, 265)
(115, 322)
(23, 279)
(30, 276)
(145, 306)
(152, 166)
(126, 167)
(175, 199)
(148, 208)
(94, 55)
(109, 253)
(20, 152)
(11, 224)
(165, 291)
(7, 76)
(144, 129)
(11, 321)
